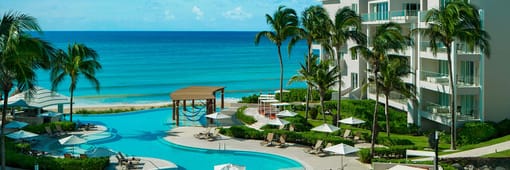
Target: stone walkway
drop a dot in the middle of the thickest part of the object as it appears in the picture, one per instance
(478, 152)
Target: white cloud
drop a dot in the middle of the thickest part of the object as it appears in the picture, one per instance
(198, 12)
(237, 14)
(169, 15)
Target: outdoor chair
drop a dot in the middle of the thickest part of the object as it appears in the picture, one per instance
(48, 130)
(124, 158)
(292, 128)
(204, 134)
(268, 141)
(357, 137)
(59, 130)
(83, 156)
(214, 135)
(323, 153)
(282, 142)
(316, 148)
(347, 134)
(68, 156)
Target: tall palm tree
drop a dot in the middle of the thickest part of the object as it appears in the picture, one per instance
(387, 37)
(347, 26)
(20, 56)
(390, 79)
(79, 60)
(316, 25)
(457, 22)
(284, 24)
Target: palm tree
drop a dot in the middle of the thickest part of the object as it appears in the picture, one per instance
(316, 25)
(79, 60)
(390, 79)
(387, 37)
(458, 21)
(284, 24)
(20, 56)
(347, 26)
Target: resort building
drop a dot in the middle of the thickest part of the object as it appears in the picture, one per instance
(480, 94)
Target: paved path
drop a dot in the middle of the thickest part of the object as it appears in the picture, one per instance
(478, 152)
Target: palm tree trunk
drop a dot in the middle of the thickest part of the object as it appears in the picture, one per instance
(281, 72)
(71, 106)
(374, 121)
(387, 114)
(308, 91)
(452, 101)
(322, 106)
(338, 107)
(308, 86)
(4, 117)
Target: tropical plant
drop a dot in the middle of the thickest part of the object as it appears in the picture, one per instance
(347, 26)
(458, 21)
(284, 24)
(316, 25)
(20, 56)
(78, 60)
(390, 79)
(387, 37)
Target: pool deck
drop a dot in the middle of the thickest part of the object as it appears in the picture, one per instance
(148, 164)
(184, 136)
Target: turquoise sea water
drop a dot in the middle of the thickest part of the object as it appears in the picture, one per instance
(144, 67)
(141, 134)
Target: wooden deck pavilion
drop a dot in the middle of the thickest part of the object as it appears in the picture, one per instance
(193, 93)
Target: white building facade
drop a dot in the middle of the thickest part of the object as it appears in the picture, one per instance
(481, 95)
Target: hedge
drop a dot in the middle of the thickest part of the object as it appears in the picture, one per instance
(476, 132)
(244, 118)
(393, 152)
(39, 129)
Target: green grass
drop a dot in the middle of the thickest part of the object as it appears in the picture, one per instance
(502, 154)
(486, 143)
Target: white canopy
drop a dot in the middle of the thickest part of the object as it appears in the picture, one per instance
(284, 90)
(403, 167)
(286, 113)
(100, 152)
(72, 140)
(352, 121)
(41, 98)
(229, 166)
(325, 128)
(15, 125)
(277, 122)
(342, 149)
(218, 115)
(21, 134)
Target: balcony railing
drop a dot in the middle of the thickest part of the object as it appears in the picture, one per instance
(425, 47)
(444, 111)
(434, 77)
(391, 15)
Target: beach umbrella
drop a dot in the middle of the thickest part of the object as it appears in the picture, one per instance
(216, 116)
(404, 167)
(284, 90)
(72, 141)
(21, 134)
(342, 149)
(325, 128)
(16, 125)
(100, 152)
(229, 166)
(277, 122)
(50, 114)
(286, 113)
(352, 121)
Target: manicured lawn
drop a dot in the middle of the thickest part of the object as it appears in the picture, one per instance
(502, 154)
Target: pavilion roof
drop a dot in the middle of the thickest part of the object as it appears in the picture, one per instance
(196, 93)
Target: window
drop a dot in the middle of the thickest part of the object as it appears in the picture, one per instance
(380, 11)
(411, 9)
(354, 7)
(467, 105)
(443, 68)
(354, 80)
(443, 3)
(467, 72)
(354, 57)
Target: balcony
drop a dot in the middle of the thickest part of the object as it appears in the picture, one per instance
(402, 16)
(395, 99)
(434, 77)
(441, 114)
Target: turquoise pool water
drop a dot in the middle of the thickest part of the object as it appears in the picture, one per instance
(141, 134)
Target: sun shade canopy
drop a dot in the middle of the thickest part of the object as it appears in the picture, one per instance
(195, 92)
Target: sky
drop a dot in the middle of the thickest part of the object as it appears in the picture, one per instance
(152, 15)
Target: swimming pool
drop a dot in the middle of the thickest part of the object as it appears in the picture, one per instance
(141, 133)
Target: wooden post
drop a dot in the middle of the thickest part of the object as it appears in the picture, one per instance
(222, 98)
(173, 109)
(184, 105)
(177, 112)
(214, 105)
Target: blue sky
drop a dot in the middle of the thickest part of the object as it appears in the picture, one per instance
(162, 15)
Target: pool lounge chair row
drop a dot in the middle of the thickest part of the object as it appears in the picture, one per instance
(269, 141)
(317, 149)
(207, 135)
(129, 163)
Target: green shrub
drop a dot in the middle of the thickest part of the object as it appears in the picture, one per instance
(393, 141)
(243, 132)
(39, 129)
(244, 118)
(300, 124)
(299, 95)
(23, 161)
(250, 99)
(364, 155)
(476, 132)
(503, 127)
(314, 112)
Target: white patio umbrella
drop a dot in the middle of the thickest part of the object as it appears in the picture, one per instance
(277, 122)
(15, 125)
(403, 167)
(21, 134)
(352, 121)
(284, 90)
(286, 113)
(72, 141)
(342, 149)
(325, 128)
(216, 116)
(229, 166)
(100, 152)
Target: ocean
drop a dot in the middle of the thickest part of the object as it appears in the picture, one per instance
(145, 67)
